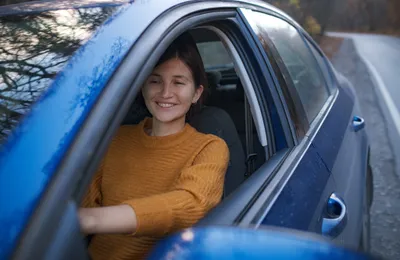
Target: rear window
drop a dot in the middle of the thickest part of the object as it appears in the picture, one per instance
(33, 49)
(214, 55)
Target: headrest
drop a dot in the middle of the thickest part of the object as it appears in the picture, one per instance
(213, 78)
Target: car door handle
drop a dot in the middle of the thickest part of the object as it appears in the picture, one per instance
(335, 216)
(358, 123)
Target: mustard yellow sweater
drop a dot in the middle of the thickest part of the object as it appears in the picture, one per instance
(170, 182)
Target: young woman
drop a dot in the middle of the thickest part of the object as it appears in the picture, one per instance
(161, 175)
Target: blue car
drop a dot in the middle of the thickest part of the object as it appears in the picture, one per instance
(70, 72)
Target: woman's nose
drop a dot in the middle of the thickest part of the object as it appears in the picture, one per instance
(166, 91)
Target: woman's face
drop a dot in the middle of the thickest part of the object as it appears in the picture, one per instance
(170, 91)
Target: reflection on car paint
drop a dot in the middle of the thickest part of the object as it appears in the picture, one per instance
(34, 48)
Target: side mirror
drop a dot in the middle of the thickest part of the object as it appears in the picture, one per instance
(233, 243)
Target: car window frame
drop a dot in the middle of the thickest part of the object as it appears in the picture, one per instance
(215, 14)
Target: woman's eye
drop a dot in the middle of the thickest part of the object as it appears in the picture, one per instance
(154, 81)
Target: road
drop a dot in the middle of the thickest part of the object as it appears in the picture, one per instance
(381, 55)
(370, 68)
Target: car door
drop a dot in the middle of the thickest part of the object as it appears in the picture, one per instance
(329, 119)
(348, 157)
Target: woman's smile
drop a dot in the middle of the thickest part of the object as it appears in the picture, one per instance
(165, 104)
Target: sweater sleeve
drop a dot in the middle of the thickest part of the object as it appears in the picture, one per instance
(93, 197)
(198, 190)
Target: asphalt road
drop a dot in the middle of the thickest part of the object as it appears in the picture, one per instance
(385, 211)
(381, 55)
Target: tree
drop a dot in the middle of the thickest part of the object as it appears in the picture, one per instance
(304, 13)
(316, 16)
(393, 10)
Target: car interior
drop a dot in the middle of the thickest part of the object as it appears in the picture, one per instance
(225, 111)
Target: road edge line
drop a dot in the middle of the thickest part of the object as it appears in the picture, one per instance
(394, 113)
(390, 106)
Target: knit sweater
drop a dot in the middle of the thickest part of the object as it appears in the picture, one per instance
(171, 182)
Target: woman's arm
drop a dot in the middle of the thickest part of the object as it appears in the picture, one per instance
(199, 189)
(115, 219)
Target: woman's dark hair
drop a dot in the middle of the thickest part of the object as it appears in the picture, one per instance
(184, 48)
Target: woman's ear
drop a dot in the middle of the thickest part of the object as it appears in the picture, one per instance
(197, 94)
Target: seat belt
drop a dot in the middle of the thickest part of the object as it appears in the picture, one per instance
(249, 126)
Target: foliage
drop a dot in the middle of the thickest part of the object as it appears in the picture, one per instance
(316, 16)
(301, 11)
(312, 25)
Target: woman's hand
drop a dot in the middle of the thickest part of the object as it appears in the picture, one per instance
(87, 220)
(119, 219)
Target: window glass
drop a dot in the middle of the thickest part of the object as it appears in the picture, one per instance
(322, 64)
(214, 55)
(33, 49)
(294, 54)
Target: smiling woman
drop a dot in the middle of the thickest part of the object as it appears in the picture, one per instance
(161, 175)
